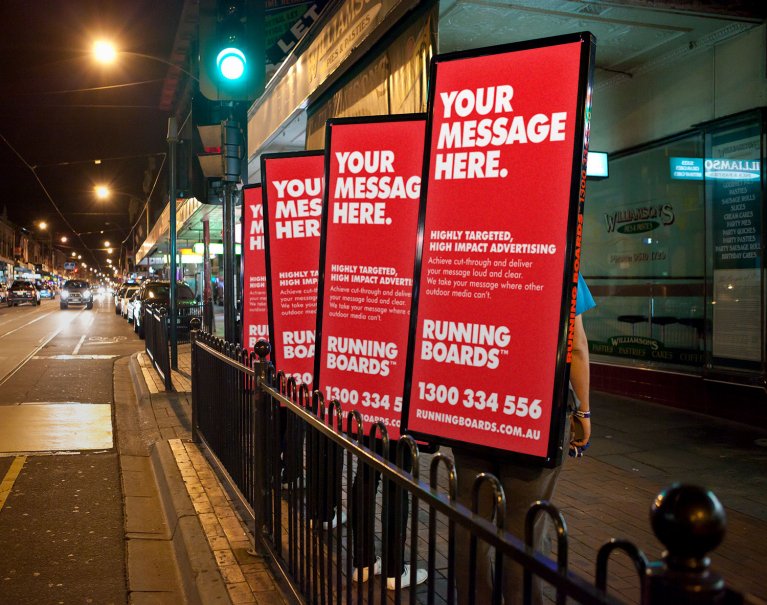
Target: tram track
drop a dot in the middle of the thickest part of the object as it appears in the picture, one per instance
(60, 326)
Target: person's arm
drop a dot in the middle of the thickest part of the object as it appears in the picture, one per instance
(579, 378)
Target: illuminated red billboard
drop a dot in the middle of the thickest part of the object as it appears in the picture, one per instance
(367, 255)
(292, 198)
(255, 317)
(504, 176)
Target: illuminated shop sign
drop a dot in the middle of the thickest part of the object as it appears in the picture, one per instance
(215, 248)
(695, 169)
(596, 165)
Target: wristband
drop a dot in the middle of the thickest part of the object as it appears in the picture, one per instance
(580, 414)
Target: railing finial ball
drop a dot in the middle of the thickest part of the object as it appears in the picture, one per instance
(195, 323)
(262, 348)
(689, 520)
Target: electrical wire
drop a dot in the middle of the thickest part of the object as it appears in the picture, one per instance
(48, 195)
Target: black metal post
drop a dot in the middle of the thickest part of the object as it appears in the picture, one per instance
(207, 301)
(232, 158)
(229, 303)
(172, 143)
(195, 329)
(690, 522)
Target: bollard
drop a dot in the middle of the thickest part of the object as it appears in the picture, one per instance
(690, 522)
(194, 326)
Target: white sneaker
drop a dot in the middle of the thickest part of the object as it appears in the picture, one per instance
(331, 524)
(420, 578)
(360, 574)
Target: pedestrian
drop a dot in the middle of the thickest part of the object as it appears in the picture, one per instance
(363, 555)
(522, 484)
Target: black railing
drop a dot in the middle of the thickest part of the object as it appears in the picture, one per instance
(299, 466)
(156, 342)
(184, 317)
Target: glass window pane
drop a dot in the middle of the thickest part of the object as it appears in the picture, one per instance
(643, 257)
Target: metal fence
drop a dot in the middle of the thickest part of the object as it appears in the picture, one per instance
(156, 342)
(300, 466)
(157, 335)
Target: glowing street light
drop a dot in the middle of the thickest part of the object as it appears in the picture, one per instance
(102, 192)
(107, 244)
(64, 239)
(104, 52)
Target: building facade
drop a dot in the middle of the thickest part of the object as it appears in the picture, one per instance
(673, 239)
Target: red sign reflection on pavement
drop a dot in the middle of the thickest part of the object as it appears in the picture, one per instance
(506, 148)
(368, 252)
(292, 197)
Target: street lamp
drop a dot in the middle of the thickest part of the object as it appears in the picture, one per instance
(102, 192)
(105, 52)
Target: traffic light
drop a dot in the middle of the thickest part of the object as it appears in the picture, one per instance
(232, 62)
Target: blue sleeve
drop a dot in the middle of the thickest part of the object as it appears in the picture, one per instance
(584, 301)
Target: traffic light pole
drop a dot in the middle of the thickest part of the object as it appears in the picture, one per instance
(173, 312)
(229, 302)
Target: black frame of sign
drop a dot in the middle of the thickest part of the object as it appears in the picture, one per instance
(267, 244)
(405, 117)
(557, 422)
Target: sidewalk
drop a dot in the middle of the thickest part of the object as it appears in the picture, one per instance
(191, 522)
(638, 448)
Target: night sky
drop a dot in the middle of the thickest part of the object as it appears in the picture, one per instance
(60, 111)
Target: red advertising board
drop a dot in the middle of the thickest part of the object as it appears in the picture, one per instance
(373, 176)
(292, 198)
(504, 175)
(255, 317)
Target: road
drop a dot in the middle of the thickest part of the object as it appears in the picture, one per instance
(61, 512)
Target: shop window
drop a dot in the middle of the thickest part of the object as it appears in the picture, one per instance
(734, 150)
(643, 258)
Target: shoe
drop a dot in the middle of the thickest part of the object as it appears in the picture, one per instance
(334, 523)
(330, 524)
(364, 572)
(420, 578)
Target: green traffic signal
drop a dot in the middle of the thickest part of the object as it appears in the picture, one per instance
(231, 63)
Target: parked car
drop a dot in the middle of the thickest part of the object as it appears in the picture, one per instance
(158, 293)
(76, 292)
(118, 298)
(22, 292)
(127, 295)
(46, 290)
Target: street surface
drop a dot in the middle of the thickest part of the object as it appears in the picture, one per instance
(61, 511)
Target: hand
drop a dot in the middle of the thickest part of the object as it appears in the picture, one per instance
(580, 436)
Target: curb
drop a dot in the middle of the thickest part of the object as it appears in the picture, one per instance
(199, 577)
(137, 377)
(198, 571)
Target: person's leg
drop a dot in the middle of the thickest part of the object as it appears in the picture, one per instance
(468, 466)
(397, 535)
(362, 528)
(523, 485)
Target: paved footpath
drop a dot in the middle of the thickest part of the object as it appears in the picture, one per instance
(638, 448)
(185, 541)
